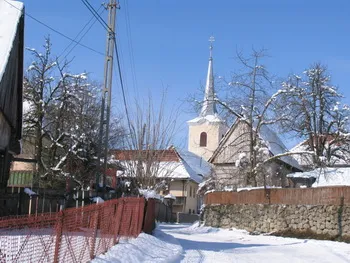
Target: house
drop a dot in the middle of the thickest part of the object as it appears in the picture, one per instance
(234, 147)
(210, 138)
(327, 176)
(174, 172)
(11, 84)
(336, 152)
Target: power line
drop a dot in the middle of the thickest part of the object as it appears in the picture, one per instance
(106, 26)
(56, 31)
(96, 14)
(131, 50)
(122, 86)
(78, 35)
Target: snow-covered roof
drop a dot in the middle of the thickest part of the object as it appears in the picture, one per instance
(326, 176)
(170, 196)
(208, 118)
(9, 19)
(342, 158)
(302, 159)
(276, 146)
(197, 163)
(171, 164)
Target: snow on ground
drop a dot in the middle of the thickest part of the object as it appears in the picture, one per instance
(327, 176)
(195, 243)
(145, 248)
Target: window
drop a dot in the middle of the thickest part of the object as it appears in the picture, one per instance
(203, 140)
(190, 191)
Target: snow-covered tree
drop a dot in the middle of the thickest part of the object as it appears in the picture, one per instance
(248, 98)
(61, 121)
(315, 113)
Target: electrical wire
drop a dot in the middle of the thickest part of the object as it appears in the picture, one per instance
(106, 26)
(131, 49)
(92, 19)
(122, 86)
(96, 15)
(56, 31)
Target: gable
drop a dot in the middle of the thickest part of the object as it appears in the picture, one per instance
(235, 142)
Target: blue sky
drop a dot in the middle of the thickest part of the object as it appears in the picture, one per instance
(170, 41)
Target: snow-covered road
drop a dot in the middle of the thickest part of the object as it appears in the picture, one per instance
(203, 244)
(193, 243)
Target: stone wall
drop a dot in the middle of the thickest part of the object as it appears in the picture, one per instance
(320, 219)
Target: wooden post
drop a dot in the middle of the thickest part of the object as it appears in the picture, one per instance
(59, 229)
(30, 205)
(94, 233)
(118, 218)
(36, 205)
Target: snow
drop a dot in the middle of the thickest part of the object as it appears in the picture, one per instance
(197, 243)
(97, 199)
(145, 248)
(255, 188)
(9, 19)
(197, 163)
(29, 192)
(170, 196)
(341, 158)
(302, 159)
(147, 193)
(208, 118)
(174, 170)
(326, 176)
(276, 146)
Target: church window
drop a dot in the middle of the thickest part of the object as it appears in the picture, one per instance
(203, 140)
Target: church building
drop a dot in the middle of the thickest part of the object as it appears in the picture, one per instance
(210, 138)
(206, 130)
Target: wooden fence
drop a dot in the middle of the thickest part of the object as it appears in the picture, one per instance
(289, 196)
(14, 201)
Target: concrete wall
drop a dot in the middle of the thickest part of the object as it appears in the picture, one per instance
(176, 188)
(188, 190)
(214, 131)
(320, 219)
(191, 199)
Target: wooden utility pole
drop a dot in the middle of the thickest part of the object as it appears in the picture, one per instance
(106, 94)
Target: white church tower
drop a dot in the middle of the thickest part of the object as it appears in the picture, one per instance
(206, 131)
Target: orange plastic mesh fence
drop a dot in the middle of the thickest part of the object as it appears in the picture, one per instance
(71, 235)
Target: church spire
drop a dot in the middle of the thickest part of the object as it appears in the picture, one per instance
(209, 107)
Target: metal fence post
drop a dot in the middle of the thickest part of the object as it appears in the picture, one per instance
(59, 228)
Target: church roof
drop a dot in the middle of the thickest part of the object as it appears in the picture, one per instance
(274, 143)
(208, 112)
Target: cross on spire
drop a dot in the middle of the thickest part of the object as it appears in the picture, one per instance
(211, 40)
(208, 107)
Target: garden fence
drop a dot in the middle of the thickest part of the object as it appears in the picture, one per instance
(71, 235)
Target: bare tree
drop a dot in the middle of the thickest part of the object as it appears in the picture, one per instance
(149, 154)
